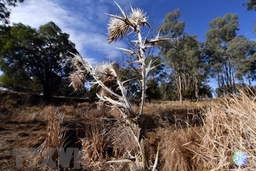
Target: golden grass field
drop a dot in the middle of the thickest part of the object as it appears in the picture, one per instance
(198, 136)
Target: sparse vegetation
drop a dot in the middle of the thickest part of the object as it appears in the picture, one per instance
(196, 136)
(115, 134)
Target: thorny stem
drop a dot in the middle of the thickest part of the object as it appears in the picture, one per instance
(126, 101)
(143, 70)
(143, 89)
(136, 136)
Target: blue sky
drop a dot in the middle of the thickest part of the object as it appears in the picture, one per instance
(86, 20)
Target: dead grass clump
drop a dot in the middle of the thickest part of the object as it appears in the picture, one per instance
(93, 143)
(230, 126)
(122, 141)
(174, 149)
(69, 110)
(54, 136)
(104, 142)
(158, 108)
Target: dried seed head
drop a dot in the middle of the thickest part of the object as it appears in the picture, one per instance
(138, 16)
(81, 65)
(116, 29)
(106, 73)
(77, 62)
(77, 80)
(82, 70)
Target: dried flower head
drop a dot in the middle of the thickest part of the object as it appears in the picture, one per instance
(77, 80)
(117, 28)
(80, 64)
(106, 73)
(82, 70)
(137, 16)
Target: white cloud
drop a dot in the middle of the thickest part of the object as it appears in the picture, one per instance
(84, 21)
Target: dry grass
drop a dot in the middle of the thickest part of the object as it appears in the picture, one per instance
(107, 141)
(226, 126)
(54, 136)
(230, 126)
(174, 154)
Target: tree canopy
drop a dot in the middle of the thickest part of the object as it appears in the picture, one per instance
(5, 11)
(183, 56)
(251, 5)
(231, 56)
(35, 60)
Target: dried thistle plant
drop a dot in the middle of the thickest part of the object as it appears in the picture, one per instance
(112, 89)
(119, 26)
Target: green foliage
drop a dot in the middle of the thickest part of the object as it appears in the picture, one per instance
(251, 5)
(244, 57)
(188, 94)
(205, 91)
(16, 79)
(222, 31)
(168, 88)
(36, 56)
(171, 26)
(231, 57)
(152, 90)
(5, 11)
(14, 66)
(183, 56)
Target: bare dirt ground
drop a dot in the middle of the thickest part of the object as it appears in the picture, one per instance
(15, 135)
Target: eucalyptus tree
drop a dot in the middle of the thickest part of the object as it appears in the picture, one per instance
(173, 28)
(251, 6)
(183, 56)
(244, 57)
(168, 88)
(222, 31)
(35, 56)
(196, 70)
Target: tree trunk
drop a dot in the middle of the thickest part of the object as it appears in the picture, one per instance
(180, 92)
(196, 89)
(47, 94)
